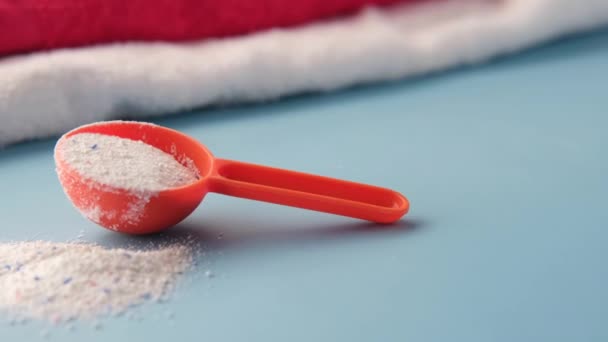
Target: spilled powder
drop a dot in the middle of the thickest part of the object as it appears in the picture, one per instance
(62, 282)
(124, 163)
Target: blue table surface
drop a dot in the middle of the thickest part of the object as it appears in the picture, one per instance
(506, 167)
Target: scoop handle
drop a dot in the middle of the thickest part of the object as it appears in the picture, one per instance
(307, 191)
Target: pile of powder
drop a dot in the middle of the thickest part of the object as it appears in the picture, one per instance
(62, 282)
(125, 163)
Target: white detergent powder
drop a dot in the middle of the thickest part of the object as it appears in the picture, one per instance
(118, 163)
(125, 163)
(62, 282)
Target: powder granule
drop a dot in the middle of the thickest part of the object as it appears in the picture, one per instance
(124, 163)
(70, 281)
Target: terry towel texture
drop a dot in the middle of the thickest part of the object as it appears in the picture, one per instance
(48, 93)
(34, 25)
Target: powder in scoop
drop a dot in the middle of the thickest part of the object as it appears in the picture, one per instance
(124, 163)
(61, 282)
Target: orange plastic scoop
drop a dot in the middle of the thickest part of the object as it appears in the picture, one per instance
(109, 207)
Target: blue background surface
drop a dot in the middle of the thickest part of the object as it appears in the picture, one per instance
(506, 168)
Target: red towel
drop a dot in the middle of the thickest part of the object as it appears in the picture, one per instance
(29, 25)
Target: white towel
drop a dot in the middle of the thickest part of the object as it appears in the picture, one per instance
(44, 94)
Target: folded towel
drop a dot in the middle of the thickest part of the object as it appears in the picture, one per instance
(49, 93)
(30, 25)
